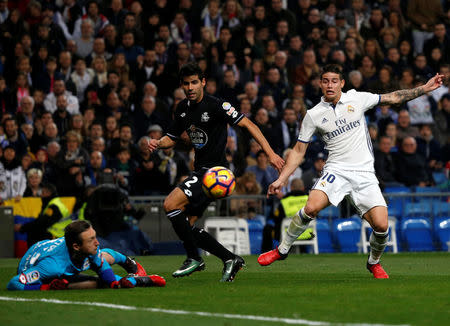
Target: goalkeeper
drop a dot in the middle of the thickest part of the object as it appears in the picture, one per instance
(57, 264)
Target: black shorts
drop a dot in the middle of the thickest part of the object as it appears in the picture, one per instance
(192, 188)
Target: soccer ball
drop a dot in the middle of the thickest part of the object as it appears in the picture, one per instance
(218, 182)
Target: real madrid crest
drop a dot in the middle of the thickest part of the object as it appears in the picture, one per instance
(350, 109)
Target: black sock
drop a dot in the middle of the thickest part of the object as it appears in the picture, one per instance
(211, 245)
(183, 229)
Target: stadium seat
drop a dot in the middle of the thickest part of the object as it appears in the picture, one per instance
(417, 209)
(347, 232)
(255, 229)
(330, 212)
(442, 232)
(416, 233)
(231, 232)
(312, 242)
(441, 209)
(324, 239)
(439, 178)
(427, 190)
(396, 203)
(366, 230)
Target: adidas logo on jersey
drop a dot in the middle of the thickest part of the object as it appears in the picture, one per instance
(324, 120)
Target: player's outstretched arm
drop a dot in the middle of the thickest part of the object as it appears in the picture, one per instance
(164, 142)
(404, 95)
(274, 159)
(295, 157)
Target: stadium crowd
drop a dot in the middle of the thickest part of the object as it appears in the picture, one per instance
(84, 84)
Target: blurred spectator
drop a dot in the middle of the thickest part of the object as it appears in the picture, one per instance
(312, 21)
(72, 161)
(93, 13)
(384, 162)
(82, 77)
(285, 133)
(373, 26)
(393, 61)
(230, 89)
(357, 14)
(34, 178)
(147, 116)
(115, 13)
(442, 118)
(254, 148)
(384, 115)
(265, 174)
(130, 49)
(439, 40)
(404, 128)
(423, 15)
(61, 117)
(125, 140)
(246, 184)
(26, 113)
(26, 161)
(59, 88)
(429, 148)
(275, 86)
(411, 167)
(438, 93)
(385, 82)
(95, 174)
(212, 18)
(420, 109)
(421, 68)
(179, 28)
(85, 42)
(14, 180)
(356, 81)
(14, 137)
(49, 170)
(124, 168)
(310, 176)
(21, 89)
(307, 68)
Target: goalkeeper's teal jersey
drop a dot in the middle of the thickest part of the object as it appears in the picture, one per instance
(50, 259)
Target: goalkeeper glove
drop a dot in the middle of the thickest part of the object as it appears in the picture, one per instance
(56, 284)
(123, 283)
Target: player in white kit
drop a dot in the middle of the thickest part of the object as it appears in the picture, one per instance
(349, 170)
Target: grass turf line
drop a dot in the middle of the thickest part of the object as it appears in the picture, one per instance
(334, 288)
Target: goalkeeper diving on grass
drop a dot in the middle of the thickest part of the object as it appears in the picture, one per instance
(339, 119)
(57, 264)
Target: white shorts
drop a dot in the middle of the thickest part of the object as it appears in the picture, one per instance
(361, 187)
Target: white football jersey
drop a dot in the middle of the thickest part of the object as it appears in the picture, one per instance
(344, 130)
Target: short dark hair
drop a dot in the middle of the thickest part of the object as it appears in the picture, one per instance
(191, 69)
(51, 188)
(73, 230)
(337, 69)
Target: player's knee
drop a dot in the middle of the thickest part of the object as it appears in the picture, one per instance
(381, 227)
(311, 210)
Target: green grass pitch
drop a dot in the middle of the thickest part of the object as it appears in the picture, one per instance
(328, 289)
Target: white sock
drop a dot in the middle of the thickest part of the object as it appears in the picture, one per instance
(298, 225)
(378, 241)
